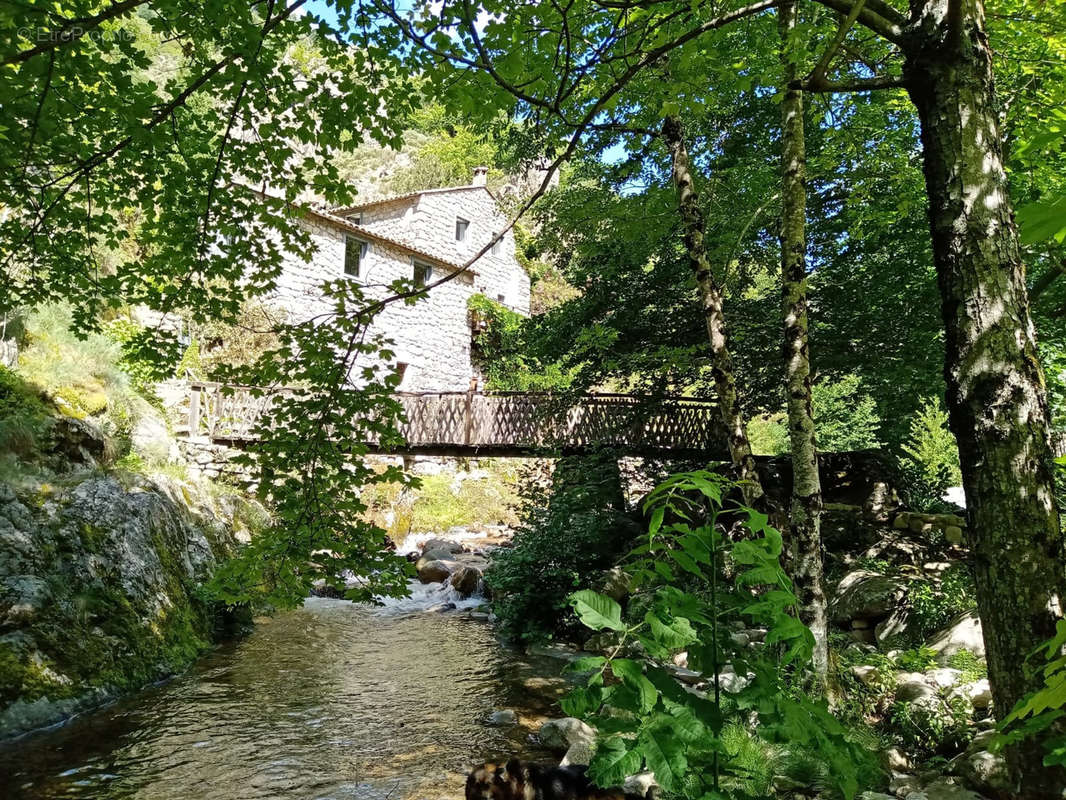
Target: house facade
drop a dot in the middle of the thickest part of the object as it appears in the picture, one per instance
(425, 235)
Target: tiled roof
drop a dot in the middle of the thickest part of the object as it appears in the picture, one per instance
(343, 210)
(341, 222)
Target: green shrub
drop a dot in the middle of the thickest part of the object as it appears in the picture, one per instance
(933, 728)
(768, 435)
(934, 603)
(919, 659)
(845, 416)
(24, 416)
(692, 582)
(498, 351)
(570, 532)
(930, 461)
(972, 666)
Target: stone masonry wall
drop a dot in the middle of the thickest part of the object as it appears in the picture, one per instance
(433, 336)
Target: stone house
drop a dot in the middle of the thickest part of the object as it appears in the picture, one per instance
(422, 235)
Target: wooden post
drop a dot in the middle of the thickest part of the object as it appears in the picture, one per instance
(468, 433)
(194, 410)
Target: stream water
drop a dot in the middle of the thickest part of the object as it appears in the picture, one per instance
(332, 700)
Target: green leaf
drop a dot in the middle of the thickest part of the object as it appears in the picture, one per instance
(664, 757)
(597, 611)
(613, 762)
(632, 676)
(673, 633)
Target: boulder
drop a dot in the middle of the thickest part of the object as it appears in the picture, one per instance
(152, 440)
(466, 580)
(865, 674)
(442, 545)
(79, 441)
(912, 687)
(578, 754)
(945, 677)
(964, 633)
(562, 734)
(865, 595)
(979, 693)
(502, 717)
(435, 555)
(434, 571)
(640, 784)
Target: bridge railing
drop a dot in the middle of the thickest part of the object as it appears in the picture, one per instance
(492, 421)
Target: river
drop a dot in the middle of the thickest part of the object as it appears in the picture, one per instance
(332, 700)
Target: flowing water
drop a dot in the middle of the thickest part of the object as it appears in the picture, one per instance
(332, 700)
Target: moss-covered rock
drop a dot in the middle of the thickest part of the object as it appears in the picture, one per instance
(101, 589)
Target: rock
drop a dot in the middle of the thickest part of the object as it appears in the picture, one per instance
(466, 580)
(151, 438)
(689, 676)
(953, 533)
(964, 633)
(894, 625)
(979, 693)
(913, 687)
(434, 571)
(439, 607)
(680, 659)
(865, 674)
(876, 796)
(945, 677)
(78, 441)
(865, 595)
(503, 717)
(556, 650)
(984, 772)
(901, 784)
(895, 760)
(943, 789)
(562, 734)
(578, 754)
(640, 784)
(616, 584)
(441, 545)
(480, 616)
(434, 555)
(740, 639)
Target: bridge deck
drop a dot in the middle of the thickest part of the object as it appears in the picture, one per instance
(501, 423)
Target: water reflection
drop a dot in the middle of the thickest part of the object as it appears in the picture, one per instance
(329, 701)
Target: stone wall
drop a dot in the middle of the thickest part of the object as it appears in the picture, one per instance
(431, 337)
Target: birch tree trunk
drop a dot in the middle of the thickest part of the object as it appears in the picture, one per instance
(996, 394)
(711, 301)
(805, 540)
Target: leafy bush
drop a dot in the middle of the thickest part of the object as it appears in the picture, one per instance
(930, 463)
(693, 584)
(570, 532)
(934, 603)
(500, 354)
(768, 435)
(24, 417)
(845, 416)
(85, 376)
(919, 659)
(933, 727)
(972, 666)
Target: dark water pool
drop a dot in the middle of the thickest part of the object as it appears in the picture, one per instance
(329, 701)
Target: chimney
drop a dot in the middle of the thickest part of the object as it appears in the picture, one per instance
(480, 176)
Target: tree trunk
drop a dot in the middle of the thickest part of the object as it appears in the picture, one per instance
(806, 505)
(996, 394)
(725, 384)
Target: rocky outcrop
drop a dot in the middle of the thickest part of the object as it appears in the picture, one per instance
(562, 734)
(101, 587)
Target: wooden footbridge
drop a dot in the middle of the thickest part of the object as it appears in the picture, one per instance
(494, 424)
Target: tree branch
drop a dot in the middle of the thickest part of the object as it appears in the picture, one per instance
(876, 15)
(854, 85)
(71, 31)
(818, 73)
(1042, 283)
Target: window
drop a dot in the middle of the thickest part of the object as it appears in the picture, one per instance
(499, 298)
(355, 219)
(423, 273)
(355, 251)
(497, 246)
(461, 227)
